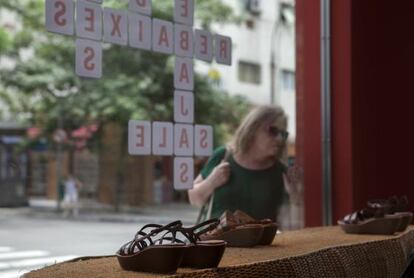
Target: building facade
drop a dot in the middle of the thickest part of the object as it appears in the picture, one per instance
(266, 33)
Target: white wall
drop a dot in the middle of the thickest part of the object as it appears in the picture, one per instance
(254, 45)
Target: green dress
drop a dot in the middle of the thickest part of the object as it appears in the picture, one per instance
(259, 193)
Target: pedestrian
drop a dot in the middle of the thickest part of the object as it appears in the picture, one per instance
(71, 196)
(247, 174)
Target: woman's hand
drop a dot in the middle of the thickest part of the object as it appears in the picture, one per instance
(220, 174)
(293, 183)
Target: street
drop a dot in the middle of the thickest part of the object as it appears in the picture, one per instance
(32, 240)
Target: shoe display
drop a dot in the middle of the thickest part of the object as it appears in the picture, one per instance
(394, 207)
(144, 255)
(382, 216)
(269, 226)
(157, 248)
(235, 233)
(368, 221)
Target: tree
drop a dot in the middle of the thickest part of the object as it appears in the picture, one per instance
(135, 85)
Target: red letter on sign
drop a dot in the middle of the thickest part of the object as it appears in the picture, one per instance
(203, 44)
(59, 13)
(163, 36)
(90, 54)
(183, 176)
(140, 135)
(91, 19)
(115, 29)
(163, 144)
(184, 73)
(184, 138)
(203, 142)
(223, 48)
(184, 40)
(141, 3)
(184, 112)
(140, 30)
(184, 12)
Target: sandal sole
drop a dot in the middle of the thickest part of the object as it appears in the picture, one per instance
(241, 236)
(376, 226)
(204, 254)
(156, 259)
(269, 232)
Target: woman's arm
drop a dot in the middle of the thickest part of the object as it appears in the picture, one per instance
(293, 184)
(203, 188)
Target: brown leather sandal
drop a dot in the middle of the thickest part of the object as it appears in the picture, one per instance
(394, 207)
(234, 233)
(269, 226)
(144, 255)
(369, 221)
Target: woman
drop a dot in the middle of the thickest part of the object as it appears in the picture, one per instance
(251, 178)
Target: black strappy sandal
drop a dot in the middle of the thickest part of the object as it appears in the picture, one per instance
(369, 221)
(143, 254)
(202, 253)
(197, 253)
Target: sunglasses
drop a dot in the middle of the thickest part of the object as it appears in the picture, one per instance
(274, 131)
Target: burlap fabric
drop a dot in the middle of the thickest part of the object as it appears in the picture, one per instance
(313, 252)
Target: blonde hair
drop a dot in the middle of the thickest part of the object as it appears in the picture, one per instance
(259, 116)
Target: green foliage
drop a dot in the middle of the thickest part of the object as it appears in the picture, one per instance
(5, 41)
(135, 85)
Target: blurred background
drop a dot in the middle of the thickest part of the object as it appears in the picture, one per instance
(53, 123)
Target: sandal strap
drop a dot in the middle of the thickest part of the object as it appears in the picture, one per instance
(153, 226)
(171, 239)
(169, 226)
(193, 236)
(145, 240)
(212, 224)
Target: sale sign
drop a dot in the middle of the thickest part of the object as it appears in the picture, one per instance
(59, 16)
(89, 20)
(203, 45)
(183, 173)
(140, 31)
(115, 26)
(88, 58)
(141, 6)
(183, 107)
(137, 29)
(162, 36)
(162, 142)
(184, 74)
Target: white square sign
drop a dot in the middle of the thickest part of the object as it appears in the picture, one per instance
(183, 106)
(183, 74)
(96, 1)
(203, 140)
(223, 49)
(184, 12)
(139, 137)
(162, 36)
(183, 140)
(162, 138)
(183, 40)
(115, 26)
(203, 45)
(88, 58)
(59, 16)
(89, 20)
(141, 6)
(140, 29)
(183, 173)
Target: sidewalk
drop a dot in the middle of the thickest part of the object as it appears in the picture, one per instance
(90, 210)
